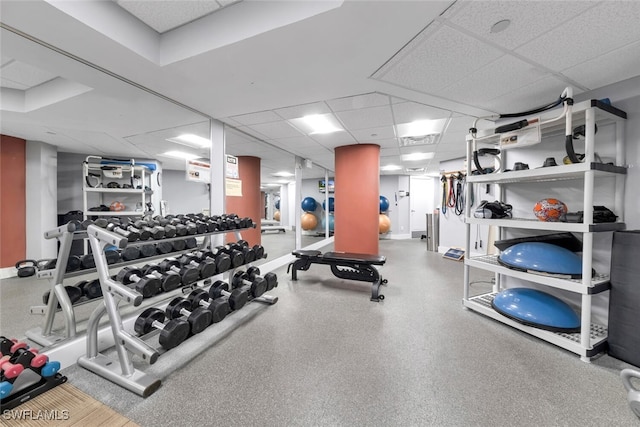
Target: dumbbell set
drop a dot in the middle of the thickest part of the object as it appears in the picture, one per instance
(16, 358)
(201, 308)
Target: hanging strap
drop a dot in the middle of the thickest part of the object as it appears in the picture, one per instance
(444, 194)
(459, 196)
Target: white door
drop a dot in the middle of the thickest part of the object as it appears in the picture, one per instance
(421, 202)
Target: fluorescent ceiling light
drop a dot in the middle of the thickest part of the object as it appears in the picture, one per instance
(272, 185)
(282, 174)
(317, 124)
(192, 140)
(411, 170)
(390, 168)
(284, 181)
(416, 156)
(180, 155)
(420, 128)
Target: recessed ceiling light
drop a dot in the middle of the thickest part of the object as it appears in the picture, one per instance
(282, 174)
(420, 128)
(416, 156)
(191, 140)
(272, 184)
(390, 168)
(180, 155)
(317, 124)
(500, 26)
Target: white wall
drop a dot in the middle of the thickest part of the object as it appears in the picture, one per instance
(41, 199)
(399, 211)
(184, 196)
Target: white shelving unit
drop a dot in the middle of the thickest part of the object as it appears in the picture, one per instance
(135, 175)
(592, 338)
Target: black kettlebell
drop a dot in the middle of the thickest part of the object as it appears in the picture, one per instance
(26, 267)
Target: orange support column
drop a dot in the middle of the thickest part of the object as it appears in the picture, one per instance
(13, 230)
(249, 204)
(357, 198)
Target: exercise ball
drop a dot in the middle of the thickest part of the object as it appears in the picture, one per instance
(331, 204)
(331, 222)
(117, 206)
(278, 204)
(549, 209)
(384, 204)
(276, 215)
(384, 224)
(541, 257)
(308, 221)
(309, 204)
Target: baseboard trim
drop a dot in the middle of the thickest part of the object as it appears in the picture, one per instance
(8, 272)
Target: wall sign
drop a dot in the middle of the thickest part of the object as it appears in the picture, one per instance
(198, 171)
(232, 167)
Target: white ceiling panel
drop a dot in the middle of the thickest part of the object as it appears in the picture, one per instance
(334, 139)
(439, 60)
(163, 16)
(386, 142)
(256, 118)
(298, 111)
(4, 60)
(25, 74)
(10, 84)
(276, 130)
(600, 71)
(497, 78)
(299, 142)
(359, 101)
(407, 112)
(366, 117)
(373, 134)
(589, 35)
(389, 152)
(529, 19)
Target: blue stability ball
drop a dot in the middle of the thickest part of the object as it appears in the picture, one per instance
(384, 204)
(536, 308)
(277, 204)
(309, 204)
(542, 258)
(331, 223)
(331, 204)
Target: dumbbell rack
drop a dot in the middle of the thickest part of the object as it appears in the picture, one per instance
(66, 234)
(122, 371)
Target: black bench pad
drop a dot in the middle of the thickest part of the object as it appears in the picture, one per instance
(344, 265)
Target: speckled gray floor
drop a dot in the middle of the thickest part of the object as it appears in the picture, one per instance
(326, 355)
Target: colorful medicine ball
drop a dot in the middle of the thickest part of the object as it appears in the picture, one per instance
(384, 224)
(309, 204)
(384, 204)
(549, 209)
(116, 206)
(308, 221)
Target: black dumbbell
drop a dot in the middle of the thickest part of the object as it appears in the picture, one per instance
(115, 227)
(237, 259)
(237, 298)
(247, 251)
(187, 274)
(218, 308)
(257, 249)
(254, 287)
(190, 242)
(147, 285)
(222, 261)
(74, 293)
(156, 232)
(129, 226)
(169, 230)
(206, 267)
(130, 253)
(147, 250)
(179, 245)
(112, 256)
(90, 288)
(169, 280)
(271, 278)
(164, 247)
(172, 333)
(199, 319)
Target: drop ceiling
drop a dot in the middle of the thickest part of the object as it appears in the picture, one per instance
(256, 65)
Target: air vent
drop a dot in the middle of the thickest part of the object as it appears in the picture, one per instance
(410, 141)
(415, 170)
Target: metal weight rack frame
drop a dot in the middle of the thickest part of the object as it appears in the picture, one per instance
(122, 371)
(66, 234)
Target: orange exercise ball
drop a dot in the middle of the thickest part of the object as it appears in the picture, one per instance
(384, 224)
(308, 221)
(276, 215)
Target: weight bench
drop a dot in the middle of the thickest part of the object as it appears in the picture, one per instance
(344, 265)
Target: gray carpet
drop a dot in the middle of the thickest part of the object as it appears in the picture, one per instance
(326, 355)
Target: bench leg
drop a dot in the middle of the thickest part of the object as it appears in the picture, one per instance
(376, 296)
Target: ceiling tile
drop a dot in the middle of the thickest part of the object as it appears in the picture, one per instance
(589, 35)
(390, 152)
(256, 118)
(529, 19)
(599, 72)
(373, 134)
(163, 16)
(497, 78)
(299, 142)
(386, 143)
(276, 130)
(407, 112)
(4, 60)
(10, 84)
(298, 111)
(25, 74)
(366, 118)
(437, 60)
(359, 101)
(335, 139)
